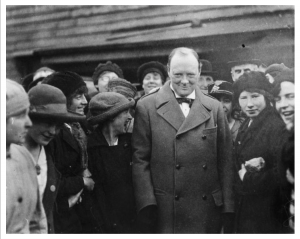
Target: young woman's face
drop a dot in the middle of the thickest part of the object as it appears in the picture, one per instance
(78, 104)
(17, 128)
(151, 81)
(285, 102)
(226, 102)
(252, 103)
(121, 122)
(43, 132)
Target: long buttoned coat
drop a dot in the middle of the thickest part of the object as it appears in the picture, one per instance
(183, 165)
(259, 202)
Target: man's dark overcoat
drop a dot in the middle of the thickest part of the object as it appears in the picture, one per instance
(184, 165)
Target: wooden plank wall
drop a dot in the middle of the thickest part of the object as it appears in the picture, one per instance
(49, 27)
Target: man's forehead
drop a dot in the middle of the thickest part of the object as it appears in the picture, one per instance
(244, 66)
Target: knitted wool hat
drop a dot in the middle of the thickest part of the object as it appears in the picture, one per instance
(48, 102)
(249, 81)
(16, 98)
(284, 75)
(108, 66)
(106, 105)
(68, 82)
(152, 66)
(275, 69)
(122, 87)
(220, 88)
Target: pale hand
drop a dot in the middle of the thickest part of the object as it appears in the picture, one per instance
(75, 199)
(89, 183)
(255, 164)
(242, 172)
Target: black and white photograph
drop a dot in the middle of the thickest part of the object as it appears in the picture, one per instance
(148, 119)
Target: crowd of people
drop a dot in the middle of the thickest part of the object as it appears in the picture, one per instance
(190, 153)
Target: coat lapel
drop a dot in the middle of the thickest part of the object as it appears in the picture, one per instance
(199, 113)
(69, 139)
(168, 107)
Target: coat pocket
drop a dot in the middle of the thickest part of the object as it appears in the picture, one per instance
(218, 197)
(159, 192)
(210, 130)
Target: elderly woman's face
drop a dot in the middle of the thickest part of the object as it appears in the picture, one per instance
(252, 103)
(121, 122)
(285, 102)
(151, 81)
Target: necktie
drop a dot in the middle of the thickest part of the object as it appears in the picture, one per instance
(185, 100)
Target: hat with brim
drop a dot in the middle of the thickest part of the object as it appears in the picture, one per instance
(244, 62)
(107, 105)
(206, 68)
(220, 88)
(49, 103)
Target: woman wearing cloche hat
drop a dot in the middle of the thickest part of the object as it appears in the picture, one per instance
(71, 159)
(257, 151)
(48, 112)
(109, 149)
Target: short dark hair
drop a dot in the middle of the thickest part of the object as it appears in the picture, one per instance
(81, 90)
(183, 51)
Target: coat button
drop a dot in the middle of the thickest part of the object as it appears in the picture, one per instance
(125, 145)
(239, 142)
(204, 197)
(204, 136)
(52, 188)
(204, 166)
(177, 166)
(20, 199)
(176, 197)
(115, 224)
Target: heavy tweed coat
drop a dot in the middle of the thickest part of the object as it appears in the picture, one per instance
(259, 205)
(184, 165)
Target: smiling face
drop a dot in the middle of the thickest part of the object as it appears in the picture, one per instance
(17, 128)
(78, 103)
(252, 103)
(42, 132)
(121, 122)
(204, 82)
(151, 81)
(285, 102)
(184, 73)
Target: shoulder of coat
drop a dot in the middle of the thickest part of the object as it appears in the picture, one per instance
(151, 93)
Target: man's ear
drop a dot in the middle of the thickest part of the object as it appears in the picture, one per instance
(168, 68)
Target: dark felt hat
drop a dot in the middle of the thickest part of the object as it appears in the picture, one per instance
(108, 66)
(280, 73)
(122, 87)
(106, 105)
(26, 80)
(49, 103)
(251, 80)
(206, 68)
(68, 82)
(231, 64)
(152, 66)
(220, 88)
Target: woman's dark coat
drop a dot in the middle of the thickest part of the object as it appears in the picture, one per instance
(50, 194)
(83, 217)
(258, 195)
(112, 167)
